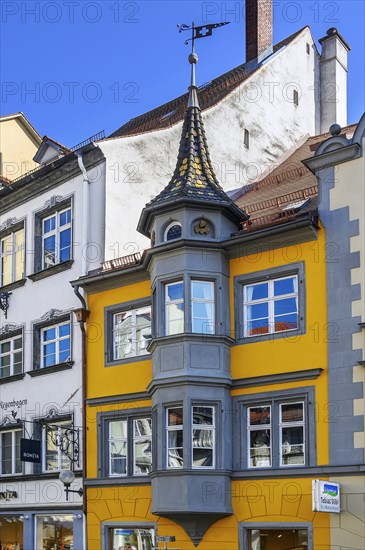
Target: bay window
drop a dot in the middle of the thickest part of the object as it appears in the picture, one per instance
(174, 437)
(203, 437)
(174, 308)
(202, 307)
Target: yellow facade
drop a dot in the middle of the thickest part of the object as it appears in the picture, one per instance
(279, 499)
(19, 142)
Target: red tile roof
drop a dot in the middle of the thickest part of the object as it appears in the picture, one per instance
(172, 112)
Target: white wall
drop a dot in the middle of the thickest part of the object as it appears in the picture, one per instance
(138, 167)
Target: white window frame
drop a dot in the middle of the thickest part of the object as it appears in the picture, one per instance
(133, 339)
(56, 232)
(276, 425)
(271, 299)
(56, 340)
(136, 439)
(172, 224)
(13, 452)
(296, 424)
(175, 428)
(171, 303)
(256, 428)
(203, 301)
(112, 440)
(207, 427)
(12, 252)
(61, 425)
(12, 353)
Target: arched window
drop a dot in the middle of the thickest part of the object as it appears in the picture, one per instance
(173, 231)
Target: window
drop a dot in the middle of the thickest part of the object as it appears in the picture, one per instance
(174, 308)
(203, 437)
(174, 437)
(202, 307)
(10, 452)
(55, 439)
(173, 231)
(131, 537)
(11, 356)
(246, 139)
(55, 531)
(55, 344)
(308, 48)
(12, 257)
(270, 304)
(274, 538)
(129, 446)
(276, 434)
(296, 97)
(131, 332)
(56, 238)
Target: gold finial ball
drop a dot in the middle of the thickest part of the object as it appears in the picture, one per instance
(193, 58)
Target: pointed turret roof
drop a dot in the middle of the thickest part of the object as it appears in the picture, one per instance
(194, 177)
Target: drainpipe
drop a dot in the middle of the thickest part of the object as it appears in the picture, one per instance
(81, 316)
(85, 215)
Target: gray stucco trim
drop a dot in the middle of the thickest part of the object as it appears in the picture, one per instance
(246, 526)
(106, 525)
(310, 374)
(116, 481)
(103, 419)
(329, 158)
(174, 381)
(240, 404)
(342, 357)
(109, 311)
(302, 471)
(123, 398)
(240, 281)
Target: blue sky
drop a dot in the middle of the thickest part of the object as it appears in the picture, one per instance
(77, 67)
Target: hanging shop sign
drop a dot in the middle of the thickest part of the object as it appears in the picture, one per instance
(325, 496)
(30, 450)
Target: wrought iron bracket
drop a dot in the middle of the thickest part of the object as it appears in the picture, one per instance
(4, 302)
(68, 441)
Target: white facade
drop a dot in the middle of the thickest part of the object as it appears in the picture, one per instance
(51, 394)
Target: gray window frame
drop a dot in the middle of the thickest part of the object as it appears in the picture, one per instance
(244, 527)
(103, 420)
(159, 314)
(240, 281)
(107, 525)
(109, 313)
(275, 398)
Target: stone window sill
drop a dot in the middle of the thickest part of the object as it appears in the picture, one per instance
(50, 370)
(12, 286)
(58, 268)
(12, 378)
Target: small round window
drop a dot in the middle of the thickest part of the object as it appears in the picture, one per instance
(173, 231)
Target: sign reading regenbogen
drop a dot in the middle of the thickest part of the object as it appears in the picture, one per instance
(325, 496)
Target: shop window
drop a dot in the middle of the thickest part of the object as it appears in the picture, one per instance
(128, 443)
(12, 256)
(11, 356)
(55, 531)
(10, 463)
(57, 446)
(11, 532)
(276, 538)
(270, 304)
(131, 538)
(173, 231)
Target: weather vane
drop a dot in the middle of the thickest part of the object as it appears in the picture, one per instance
(197, 32)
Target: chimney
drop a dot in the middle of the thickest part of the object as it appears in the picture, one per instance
(258, 29)
(333, 80)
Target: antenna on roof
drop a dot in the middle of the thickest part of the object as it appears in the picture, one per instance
(196, 32)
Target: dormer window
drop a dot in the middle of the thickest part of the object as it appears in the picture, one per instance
(173, 231)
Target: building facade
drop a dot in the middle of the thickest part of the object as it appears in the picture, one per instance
(211, 381)
(47, 223)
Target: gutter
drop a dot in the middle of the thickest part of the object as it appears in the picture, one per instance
(85, 215)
